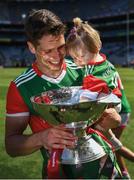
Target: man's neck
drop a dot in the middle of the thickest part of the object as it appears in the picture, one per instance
(49, 73)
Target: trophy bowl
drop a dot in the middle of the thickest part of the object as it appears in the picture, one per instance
(77, 109)
(65, 105)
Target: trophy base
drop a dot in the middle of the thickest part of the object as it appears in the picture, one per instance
(87, 170)
(86, 151)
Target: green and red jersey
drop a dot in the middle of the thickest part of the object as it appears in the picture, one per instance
(33, 82)
(107, 72)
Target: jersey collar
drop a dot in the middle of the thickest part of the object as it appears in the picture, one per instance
(96, 63)
(53, 80)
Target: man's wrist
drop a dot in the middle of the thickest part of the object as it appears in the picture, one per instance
(99, 127)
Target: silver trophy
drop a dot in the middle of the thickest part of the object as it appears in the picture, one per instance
(77, 109)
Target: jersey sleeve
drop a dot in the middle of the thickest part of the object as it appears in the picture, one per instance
(15, 104)
(120, 85)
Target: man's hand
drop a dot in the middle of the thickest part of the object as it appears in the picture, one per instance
(18, 144)
(57, 137)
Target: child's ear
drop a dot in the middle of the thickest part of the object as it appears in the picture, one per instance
(31, 47)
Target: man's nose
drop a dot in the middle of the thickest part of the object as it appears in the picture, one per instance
(59, 53)
(56, 53)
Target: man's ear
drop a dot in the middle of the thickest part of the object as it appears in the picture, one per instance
(31, 47)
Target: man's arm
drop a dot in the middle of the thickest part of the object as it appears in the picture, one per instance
(16, 142)
(19, 144)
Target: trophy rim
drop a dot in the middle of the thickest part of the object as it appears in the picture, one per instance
(68, 104)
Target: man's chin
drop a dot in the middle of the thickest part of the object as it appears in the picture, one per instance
(56, 68)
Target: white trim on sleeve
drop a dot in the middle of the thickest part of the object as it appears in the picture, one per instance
(18, 114)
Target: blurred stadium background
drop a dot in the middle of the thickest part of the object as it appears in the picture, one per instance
(114, 21)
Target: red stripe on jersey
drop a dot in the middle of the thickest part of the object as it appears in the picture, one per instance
(34, 66)
(120, 85)
(90, 62)
(15, 103)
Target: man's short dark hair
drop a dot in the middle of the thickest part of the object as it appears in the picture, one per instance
(42, 22)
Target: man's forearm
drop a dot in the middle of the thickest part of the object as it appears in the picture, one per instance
(19, 145)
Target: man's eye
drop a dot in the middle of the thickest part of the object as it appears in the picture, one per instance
(61, 47)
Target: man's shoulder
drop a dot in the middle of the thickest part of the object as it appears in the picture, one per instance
(27, 75)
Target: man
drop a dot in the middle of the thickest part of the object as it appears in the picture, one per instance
(45, 33)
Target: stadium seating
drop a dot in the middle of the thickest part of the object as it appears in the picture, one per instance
(107, 17)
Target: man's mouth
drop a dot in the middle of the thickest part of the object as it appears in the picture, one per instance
(55, 62)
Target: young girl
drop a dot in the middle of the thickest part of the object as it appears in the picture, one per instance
(84, 45)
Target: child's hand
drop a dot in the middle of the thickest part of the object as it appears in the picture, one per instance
(110, 119)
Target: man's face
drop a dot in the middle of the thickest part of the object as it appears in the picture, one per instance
(50, 54)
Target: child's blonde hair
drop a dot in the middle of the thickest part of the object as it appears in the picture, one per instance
(83, 34)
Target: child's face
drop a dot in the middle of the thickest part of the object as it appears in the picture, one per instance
(80, 56)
